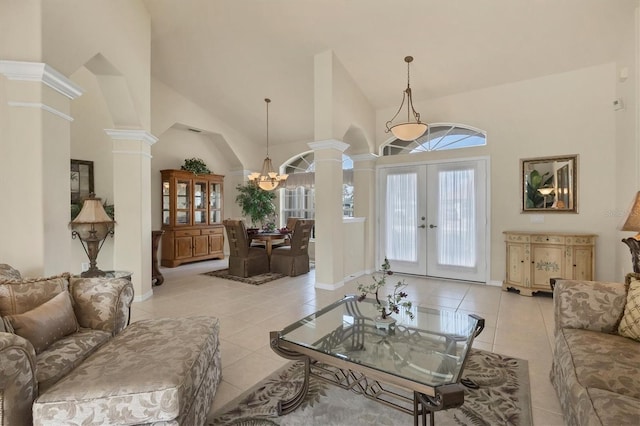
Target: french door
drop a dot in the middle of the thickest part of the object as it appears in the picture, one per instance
(434, 219)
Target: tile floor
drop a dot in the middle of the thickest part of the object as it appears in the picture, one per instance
(515, 325)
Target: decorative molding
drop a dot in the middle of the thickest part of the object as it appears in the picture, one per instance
(41, 106)
(353, 219)
(364, 157)
(144, 297)
(328, 144)
(132, 135)
(335, 286)
(38, 71)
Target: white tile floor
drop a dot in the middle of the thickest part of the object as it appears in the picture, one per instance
(515, 325)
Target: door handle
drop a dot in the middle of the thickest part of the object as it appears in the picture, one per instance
(422, 226)
(433, 226)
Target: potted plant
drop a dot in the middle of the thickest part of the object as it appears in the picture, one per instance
(395, 301)
(257, 204)
(196, 166)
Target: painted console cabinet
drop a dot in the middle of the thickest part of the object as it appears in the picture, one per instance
(533, 259)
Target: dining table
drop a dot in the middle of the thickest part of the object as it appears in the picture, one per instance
(269, 238)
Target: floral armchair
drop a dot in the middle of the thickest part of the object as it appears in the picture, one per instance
(48, 326)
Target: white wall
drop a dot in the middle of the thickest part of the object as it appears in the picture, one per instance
(569, 113)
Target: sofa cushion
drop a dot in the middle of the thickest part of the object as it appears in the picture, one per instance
(604, 361)
(17, 297)
(630, 322)
(99, 300)
(151, 372)
(615, 409)
(66, 354)
(46, 323)
(9, 273)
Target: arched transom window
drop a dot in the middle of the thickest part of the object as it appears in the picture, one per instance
(438, 137)
(298, 197)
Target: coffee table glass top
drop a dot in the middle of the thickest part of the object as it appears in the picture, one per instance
(430, 349)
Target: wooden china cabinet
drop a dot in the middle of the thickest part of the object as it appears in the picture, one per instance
(191, 217)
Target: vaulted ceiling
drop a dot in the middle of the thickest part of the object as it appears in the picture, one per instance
(228, 55)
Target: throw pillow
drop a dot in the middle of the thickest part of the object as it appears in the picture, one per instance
(9, 273)
(630, 323)
(47, 323)
(19, 296)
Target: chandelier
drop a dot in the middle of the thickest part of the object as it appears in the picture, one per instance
(268, 179)
(409, 130)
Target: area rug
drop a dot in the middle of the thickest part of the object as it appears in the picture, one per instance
(255, 280)
(503, 398)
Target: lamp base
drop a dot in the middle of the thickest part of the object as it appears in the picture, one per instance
(634, 247)
(92, 273)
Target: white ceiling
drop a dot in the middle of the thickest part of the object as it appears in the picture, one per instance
(228, 55)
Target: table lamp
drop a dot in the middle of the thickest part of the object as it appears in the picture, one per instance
(633, 224)
(92, 226)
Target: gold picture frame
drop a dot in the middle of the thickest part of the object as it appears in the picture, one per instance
(549, 184)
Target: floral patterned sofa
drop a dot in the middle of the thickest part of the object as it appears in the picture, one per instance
(596, 361)
(68, 357)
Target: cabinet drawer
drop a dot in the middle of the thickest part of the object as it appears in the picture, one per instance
(212, 231)
(517, 238)
(187, 233)
(548, 239)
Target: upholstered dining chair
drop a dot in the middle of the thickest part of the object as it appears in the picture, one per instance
(293, 260)
(244, 261)
(291, 225)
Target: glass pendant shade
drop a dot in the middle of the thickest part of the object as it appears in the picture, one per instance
(408, 131)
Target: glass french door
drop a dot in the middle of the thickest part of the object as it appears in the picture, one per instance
(434, 220)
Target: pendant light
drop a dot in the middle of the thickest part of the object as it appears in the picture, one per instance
(268, 179)
(409, 130)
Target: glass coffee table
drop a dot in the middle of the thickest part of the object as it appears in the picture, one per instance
(414, 365)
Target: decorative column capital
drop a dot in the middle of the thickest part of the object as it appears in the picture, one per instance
(41, 72)
(328, 144)
(133, 135)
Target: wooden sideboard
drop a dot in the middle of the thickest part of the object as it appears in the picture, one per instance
(191, 217)
(534, 258)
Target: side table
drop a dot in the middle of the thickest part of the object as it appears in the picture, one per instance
(156, 276)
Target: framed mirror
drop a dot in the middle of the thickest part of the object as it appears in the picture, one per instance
(549, 184)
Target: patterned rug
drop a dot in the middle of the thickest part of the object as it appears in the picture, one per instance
(255, 280)
(503, 398)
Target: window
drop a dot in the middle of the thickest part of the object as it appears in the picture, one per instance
(298, 197)
(439, 137)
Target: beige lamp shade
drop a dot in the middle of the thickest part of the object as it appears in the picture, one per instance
(633, 220)
(92, 217)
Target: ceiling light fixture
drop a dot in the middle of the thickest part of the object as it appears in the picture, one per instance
(409, 130)
(268, 179)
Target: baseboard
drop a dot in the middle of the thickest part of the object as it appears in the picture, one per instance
(495, 283)
(334, 286)
(144, 297)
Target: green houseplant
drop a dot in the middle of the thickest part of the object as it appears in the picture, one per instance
(196, 166)
(257, 204)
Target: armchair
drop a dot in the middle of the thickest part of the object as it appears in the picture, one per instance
(34, 353)
(293, 260)
(244, 261)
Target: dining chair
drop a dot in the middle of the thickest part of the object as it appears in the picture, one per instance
(293, 260)
(244, 261)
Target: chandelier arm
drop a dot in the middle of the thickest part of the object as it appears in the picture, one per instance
(404, 95)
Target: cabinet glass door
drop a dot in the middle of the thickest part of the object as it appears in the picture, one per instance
(166, 203)
(183, 213)
(200, 203)
(215, 203)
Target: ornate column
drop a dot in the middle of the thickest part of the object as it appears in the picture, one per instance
(328, 198)
(132, 201)
(35, 129)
